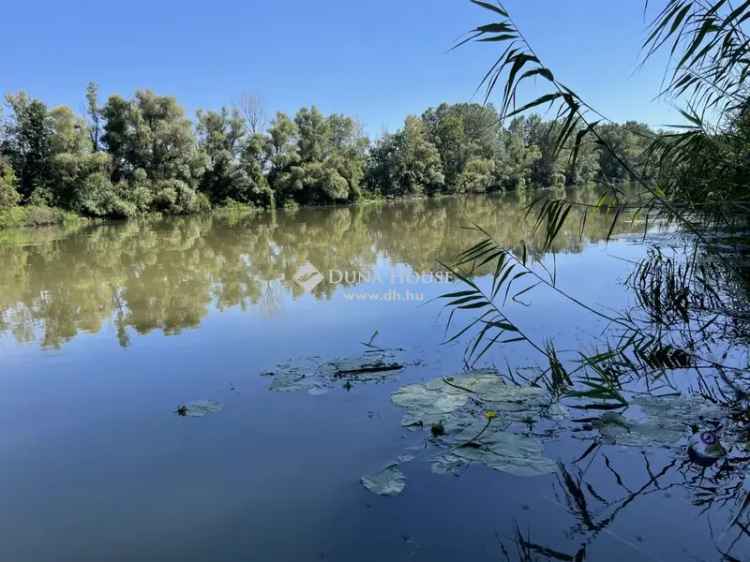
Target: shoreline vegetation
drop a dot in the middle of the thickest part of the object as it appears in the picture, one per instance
(134, 157)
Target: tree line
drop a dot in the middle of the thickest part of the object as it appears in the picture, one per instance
(127, 157)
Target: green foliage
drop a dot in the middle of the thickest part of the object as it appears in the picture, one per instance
(152, 133)
(695, 178)
(27, 142)
(406, 163)
(9, 197)
(630, 141)
(93, 111)
(316, 159)
(462, 132)
(235, 161)
(32, 215)
(139, 155)
(478, 176)
(517, 156)
(71, 173)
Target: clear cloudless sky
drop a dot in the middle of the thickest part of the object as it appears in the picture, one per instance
(377, 60)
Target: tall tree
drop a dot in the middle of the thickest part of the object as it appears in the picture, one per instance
(28, 144)
(94, 114)
(251, 107)
(406, 162)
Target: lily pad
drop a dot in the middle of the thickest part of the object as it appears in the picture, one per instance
(317, 377)
(474, 413)
(199, 408)
(432, 402)
(387, 482)
(406, 457)
(514, 454)
(449, 464)
(665, 421)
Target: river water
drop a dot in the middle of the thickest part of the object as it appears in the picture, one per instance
(106, 330)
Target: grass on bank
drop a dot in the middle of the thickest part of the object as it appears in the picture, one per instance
(32, 215)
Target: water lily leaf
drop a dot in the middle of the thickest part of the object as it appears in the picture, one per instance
(388, 482)
(474, 413)
(430, 403)
(617, 429)
(519, 455)
(449, 464)
(405, 458)
(665, 421)
(200, 408)
(317, 377)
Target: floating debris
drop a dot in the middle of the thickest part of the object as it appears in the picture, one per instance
(199, 408)
(370, 362)
(470, 417)
(316, 377)
(387, 482)
(705, 448)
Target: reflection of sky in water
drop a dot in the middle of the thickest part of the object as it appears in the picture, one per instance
(98, 467)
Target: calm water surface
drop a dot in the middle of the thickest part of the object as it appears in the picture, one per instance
(105, 330)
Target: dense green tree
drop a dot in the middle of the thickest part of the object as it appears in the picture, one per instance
(151, 133)
(81, 180)
(517, 156)
(461, 133)
(133, 156)
(316, 159)
(9, 196)
(479, 175)
(51, 154)
(281, 153)
(545, 169)
(27, 143)
(630, 141)
(406, 163)
(234, 161)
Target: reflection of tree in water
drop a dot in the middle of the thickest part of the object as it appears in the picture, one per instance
(596, 489)
(167, 274)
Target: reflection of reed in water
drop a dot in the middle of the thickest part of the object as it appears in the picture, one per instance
(595, 490)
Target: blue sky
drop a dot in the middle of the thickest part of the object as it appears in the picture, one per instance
(378, 60)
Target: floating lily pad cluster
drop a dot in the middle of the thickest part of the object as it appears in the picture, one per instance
(664, 421)
(316, 377)
(474, 414)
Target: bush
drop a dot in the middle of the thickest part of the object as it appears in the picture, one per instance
(478, 176)
(9, 197)
(558, 179)
(178, 198)
(30, 215)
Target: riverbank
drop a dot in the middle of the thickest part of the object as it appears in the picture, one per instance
(35, 216)
(32, 216)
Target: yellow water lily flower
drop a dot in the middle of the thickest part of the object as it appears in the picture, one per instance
(490, 414)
